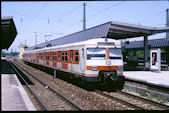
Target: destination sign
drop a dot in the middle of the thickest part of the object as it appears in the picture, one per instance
(106, 43)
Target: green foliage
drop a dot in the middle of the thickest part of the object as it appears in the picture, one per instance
(10, 54)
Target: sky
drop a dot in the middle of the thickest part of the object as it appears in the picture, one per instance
(54, 19)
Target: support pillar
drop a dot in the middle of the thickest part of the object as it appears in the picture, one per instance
(134, 52)
(146, 63)
(167, 55)
(0, 58)
(54, 74)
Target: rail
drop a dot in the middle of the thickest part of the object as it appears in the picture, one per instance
(146, 100)
(121, 101)
(40, 101)
(73, 104)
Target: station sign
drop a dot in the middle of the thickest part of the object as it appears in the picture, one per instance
(155, 60)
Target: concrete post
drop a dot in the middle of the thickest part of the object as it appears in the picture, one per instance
(146, 63)
(84, 16)
(167, 55)
(167, 22)
(54, 74)
(134, 52)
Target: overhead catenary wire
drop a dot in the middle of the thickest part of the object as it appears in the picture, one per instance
(29, 23)
(101, 11)
(29, 12)
(58, 17)
(150, 17)
(23, 15)
(66, 13)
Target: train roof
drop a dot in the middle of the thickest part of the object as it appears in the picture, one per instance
(113, 30)
(87, 42)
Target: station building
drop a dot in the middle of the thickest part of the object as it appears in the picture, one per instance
(21, 50)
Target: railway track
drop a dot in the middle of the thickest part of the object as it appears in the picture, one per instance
(119, 100)
(128, 104)
(136, 102)
(55, 93)
(40, 102)
(165, 107)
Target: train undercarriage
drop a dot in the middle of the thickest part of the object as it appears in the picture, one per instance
(107, 80)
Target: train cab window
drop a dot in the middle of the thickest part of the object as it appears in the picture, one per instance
(76, 56)
(115, 53)
(96, 53)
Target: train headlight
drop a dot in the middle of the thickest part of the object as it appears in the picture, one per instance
(94, 68)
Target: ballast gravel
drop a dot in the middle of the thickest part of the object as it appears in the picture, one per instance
(86, 100)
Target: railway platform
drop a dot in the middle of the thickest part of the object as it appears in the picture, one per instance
(13, 95)
(160, 79)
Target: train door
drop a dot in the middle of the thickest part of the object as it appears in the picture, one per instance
(59, 59)
(82, 61)
(71, 60)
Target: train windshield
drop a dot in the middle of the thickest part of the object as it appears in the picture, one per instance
(115, 53)
(96, 53)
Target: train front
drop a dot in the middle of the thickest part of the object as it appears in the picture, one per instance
(105, 61)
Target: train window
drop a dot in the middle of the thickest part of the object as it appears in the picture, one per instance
(76, 56)
(47, 56)
(54, 56)
(63, 56)
(41, 55)
(115, 53)
(96, 53)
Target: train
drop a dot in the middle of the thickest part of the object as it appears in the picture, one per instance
(95, 62)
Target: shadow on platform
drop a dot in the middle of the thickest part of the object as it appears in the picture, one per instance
(6, 68)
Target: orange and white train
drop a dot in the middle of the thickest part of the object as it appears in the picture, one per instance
(94, 61)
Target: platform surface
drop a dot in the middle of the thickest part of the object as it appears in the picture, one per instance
(155, 78)
(13, 95)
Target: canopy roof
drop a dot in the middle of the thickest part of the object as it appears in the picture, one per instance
(114, 30)
(119, 30)
(156, 43)
(8, 32)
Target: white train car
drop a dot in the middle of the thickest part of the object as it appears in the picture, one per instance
(94, 61)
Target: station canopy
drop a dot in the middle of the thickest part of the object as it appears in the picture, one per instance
(113, 30)
(8, 32)
(155, 43)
